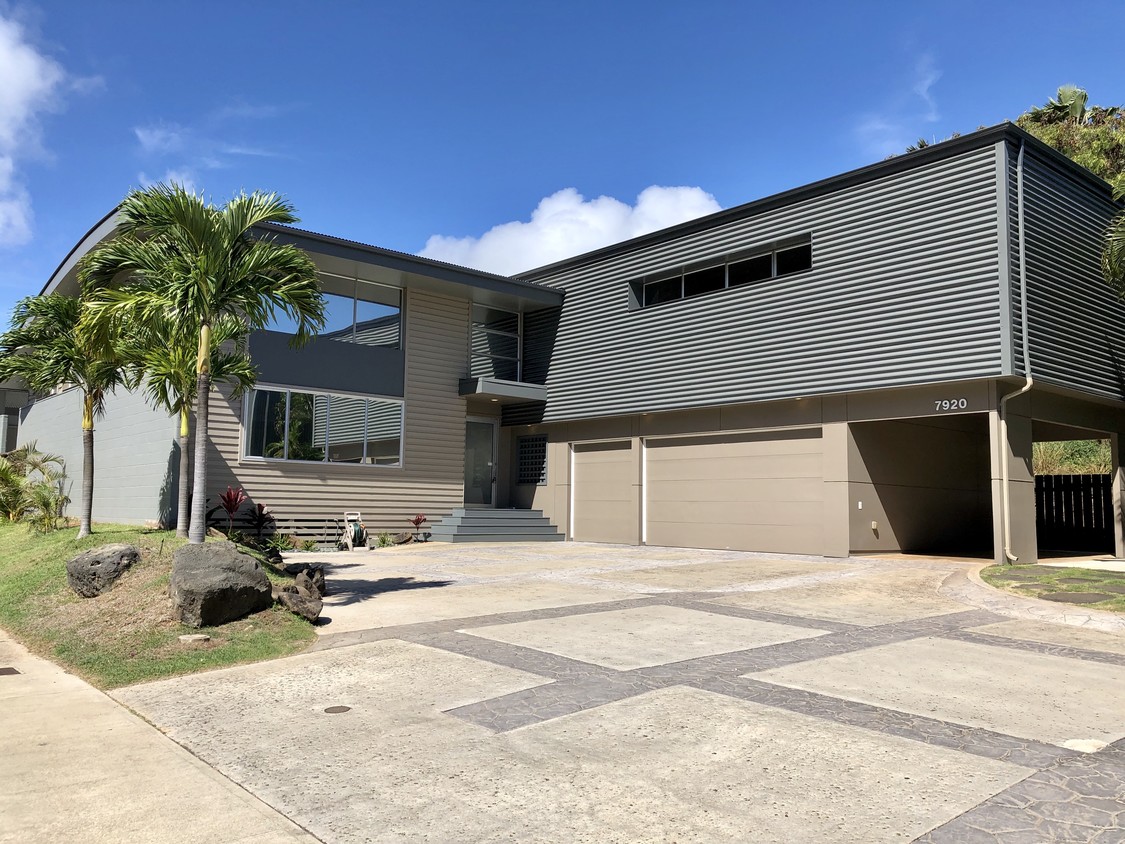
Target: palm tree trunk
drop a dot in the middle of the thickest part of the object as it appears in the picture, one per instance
(183, 509)
(197, 532)
(86, 506)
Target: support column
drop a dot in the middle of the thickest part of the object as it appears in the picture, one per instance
(1021, 484)
(837, 498)
(1118, 480)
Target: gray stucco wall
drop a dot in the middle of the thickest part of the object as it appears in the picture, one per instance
(904, 289)
(135, 454)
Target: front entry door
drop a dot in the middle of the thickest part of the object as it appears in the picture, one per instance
(480, 462)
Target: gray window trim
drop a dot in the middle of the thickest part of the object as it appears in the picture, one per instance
(247, 408)
(638, 287)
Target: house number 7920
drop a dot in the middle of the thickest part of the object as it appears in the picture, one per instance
(950, 404)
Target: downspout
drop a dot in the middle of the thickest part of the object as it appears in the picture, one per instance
(1028, 380)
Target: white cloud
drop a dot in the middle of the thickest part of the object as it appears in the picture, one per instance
(30, 85)
(161, 138)
(925, 77)
(183, 177)
(890, 131)
(567, 224)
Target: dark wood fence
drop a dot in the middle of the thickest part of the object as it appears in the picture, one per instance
(1074, 512)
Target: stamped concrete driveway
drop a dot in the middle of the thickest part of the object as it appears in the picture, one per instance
(576, 692)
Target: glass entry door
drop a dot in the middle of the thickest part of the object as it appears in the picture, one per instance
(480, 462)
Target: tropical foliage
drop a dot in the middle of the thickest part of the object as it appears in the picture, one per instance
(1093, 136)
(167, 364)
(182, 264)
(33, 487)
(46, 348)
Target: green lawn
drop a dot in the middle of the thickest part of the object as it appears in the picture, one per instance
(1036, 581)
(128, 634)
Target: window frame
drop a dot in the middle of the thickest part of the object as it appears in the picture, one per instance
(639, 287)
(475, 326)
(288, 390)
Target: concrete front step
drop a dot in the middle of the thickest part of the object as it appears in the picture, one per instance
(499, 537)
(496, 527)
(471, 525)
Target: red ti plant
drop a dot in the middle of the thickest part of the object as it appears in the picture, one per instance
(230, 501)
(418, 521)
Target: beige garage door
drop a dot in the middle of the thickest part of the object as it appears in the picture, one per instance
(605, 493)
(751, 492)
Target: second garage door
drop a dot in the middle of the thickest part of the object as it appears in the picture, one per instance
(751, 492)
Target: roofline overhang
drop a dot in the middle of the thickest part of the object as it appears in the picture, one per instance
(535, 295)
(900, 163)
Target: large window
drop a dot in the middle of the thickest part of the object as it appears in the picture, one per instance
(496, 344)
(356, 311)
(283, 424)
(745, 268)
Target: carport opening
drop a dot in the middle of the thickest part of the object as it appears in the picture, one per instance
(921, 486)
(1073, 491)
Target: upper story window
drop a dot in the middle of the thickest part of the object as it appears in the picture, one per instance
(357, 311)
(734, 271)
(496, 344)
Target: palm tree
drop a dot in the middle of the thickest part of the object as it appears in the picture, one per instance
(1068, 105)
(183, 262)
(1113, 255)
(168, 370)
(46, 349)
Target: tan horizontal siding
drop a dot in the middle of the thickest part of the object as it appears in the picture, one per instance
(431, 479)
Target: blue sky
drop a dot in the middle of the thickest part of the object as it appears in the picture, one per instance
(503, 135)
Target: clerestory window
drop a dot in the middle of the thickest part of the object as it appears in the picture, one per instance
(734, 271)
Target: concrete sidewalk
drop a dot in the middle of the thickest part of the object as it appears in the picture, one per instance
(79, 767)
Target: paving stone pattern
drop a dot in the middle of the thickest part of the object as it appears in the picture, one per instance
(1067, 797)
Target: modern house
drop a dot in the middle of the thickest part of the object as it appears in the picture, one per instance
(858, 365)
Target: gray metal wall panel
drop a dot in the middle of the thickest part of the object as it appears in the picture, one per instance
(904, 290)
(326, 364)
(1076, 322)
(135, 454)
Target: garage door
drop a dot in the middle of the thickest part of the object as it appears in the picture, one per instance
(751, 492)
(605, 493)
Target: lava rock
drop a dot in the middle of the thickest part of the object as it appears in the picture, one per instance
(214, 583)
(306, 583)
(306, 606)
(94, 572)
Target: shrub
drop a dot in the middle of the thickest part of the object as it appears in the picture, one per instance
(384, 540)
(32, 487)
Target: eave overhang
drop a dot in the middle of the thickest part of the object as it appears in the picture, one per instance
(502, 392)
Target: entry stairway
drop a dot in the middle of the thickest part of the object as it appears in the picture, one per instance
(495, 526)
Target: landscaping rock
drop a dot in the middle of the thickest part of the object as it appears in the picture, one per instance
(195, 638)
(94, 572)
(306, 584)
(402, 538)
(215, 583)
(306, 606)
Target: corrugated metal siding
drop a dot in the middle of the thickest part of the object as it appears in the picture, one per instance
(903, 290)
(136, 459)
(431, 480)
(1076, 322)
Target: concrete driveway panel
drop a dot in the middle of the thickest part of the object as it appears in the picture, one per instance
(1056, 634)
(644, 636)
(1035, 696)
(705, 574)
(879, 597)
